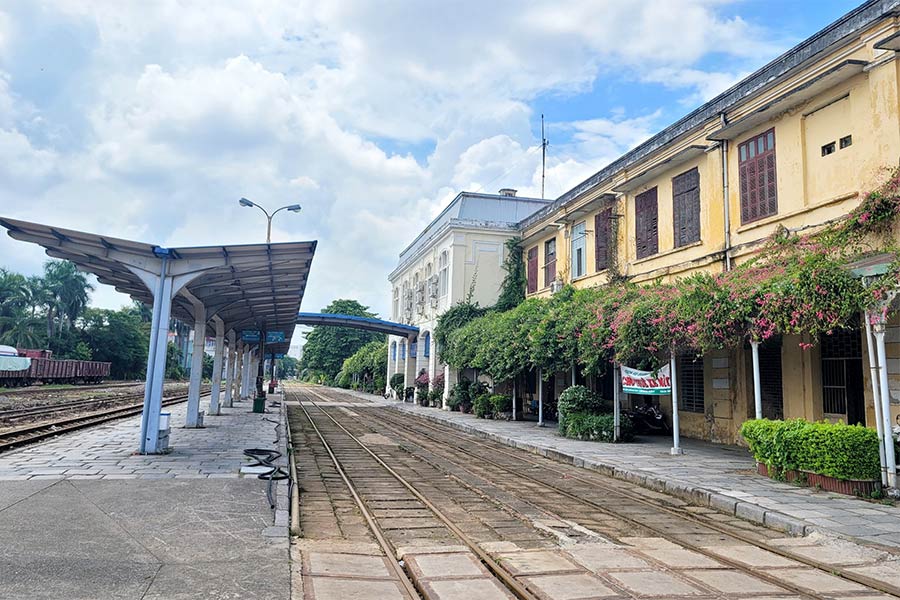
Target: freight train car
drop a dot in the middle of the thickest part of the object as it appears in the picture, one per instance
(48, 370)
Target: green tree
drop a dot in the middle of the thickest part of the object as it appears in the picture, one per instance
(288, 367)
(327, 347)
(117, 337)
(173, 362)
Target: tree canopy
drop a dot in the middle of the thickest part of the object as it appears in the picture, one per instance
(327, 347)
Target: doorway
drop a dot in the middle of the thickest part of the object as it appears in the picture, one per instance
(843, 389)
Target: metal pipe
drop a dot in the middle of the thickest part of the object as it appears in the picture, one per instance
(617, 403)
(514, 400)
(540, 383)
(725, 194)
(757, 392)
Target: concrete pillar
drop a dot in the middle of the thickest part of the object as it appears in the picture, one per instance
(238, 371)
(156, 361)
(757, 390)
(540, 387)
(432, 361)
(390, 365)
(676, 435)
(881, 348)
(446, 395)
(192, 418)
(874, 376)
(216, 380)
(229, 371)
(245, 374)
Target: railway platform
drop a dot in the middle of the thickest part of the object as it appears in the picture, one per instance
(719, 476)
(85, 517)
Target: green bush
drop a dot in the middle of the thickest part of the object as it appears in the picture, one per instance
(832, 449)
(397, 384)
(482, 407)
(500, 403)
(422, 396)
(579, 399)
(597, 428)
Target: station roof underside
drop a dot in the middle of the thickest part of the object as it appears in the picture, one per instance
(255, 286)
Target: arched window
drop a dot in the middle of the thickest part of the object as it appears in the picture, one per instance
(427, 344)
(443, 274)
(393, 350)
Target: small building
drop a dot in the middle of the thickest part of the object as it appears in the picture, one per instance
(461, 252)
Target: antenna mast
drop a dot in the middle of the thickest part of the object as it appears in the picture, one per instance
(543, 156)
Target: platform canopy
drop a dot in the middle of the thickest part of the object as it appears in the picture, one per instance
(355, 322)
(250, 287)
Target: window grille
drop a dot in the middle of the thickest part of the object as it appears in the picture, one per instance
(690, 384)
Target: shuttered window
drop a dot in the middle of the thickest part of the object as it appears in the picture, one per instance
(646, 224)
(690, 384)
(549, 262)
(601, 238)
(686, 207)
(532, 269)
(759, 190)
(578, 250)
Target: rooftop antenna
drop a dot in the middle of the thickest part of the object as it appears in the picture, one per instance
(544, 144)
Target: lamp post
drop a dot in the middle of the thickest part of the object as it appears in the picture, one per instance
(295, 208)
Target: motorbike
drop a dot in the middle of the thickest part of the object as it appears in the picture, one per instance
(647, 419)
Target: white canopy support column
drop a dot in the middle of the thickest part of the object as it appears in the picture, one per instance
(245, 373)
(540, 387)
(757, 389)
(676, 434)
(874, 376)
(216, 381)
(890, 461)
(238, 372)
(445, 397)
(617, 403)
(514, 390)
(156, 361)
(192, 418)
(230, 359)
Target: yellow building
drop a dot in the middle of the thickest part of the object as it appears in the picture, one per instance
(796, 144)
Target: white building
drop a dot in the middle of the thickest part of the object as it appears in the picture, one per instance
(462, 249)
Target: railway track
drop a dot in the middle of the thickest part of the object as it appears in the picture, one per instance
(29, 434)
(69, 388)
(612, 508)
(18, 413)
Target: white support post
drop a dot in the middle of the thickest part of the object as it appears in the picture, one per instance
(540, 384)
(676, 435)
(432, 356)
(617, 403)
(216, 381)
(192, 418)
(757, 390)
(156, 361)
(890, 461)
(390, 365)
(876, 396)
(573, 373)
(514, 399)
(445, 397)
(238, 371)
(245, 373)
(229, 371)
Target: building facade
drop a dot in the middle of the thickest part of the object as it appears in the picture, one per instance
(796, 144)
(458, 255)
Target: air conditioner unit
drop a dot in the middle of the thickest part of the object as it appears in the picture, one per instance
(555, 286)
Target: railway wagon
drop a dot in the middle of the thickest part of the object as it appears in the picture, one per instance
(47, 370)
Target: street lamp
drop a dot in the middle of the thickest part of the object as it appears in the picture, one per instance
(295, 208)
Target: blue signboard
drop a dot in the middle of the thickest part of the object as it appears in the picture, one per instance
(276, 356)
(273, 337)
(249, 336)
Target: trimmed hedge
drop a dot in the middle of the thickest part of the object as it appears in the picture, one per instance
(597, 428)
(833, 449)
(579, 399)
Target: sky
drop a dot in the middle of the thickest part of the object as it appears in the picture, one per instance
(149, 119)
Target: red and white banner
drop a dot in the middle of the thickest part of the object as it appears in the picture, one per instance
(646, 382)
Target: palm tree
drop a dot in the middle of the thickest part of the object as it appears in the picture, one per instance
(67, 294)
(12, 300)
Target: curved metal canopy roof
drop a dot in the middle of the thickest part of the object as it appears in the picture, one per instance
(355, 322)
(255, 286)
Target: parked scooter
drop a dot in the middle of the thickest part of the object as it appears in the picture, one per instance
(647, 419)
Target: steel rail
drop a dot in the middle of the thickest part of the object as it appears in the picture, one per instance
(828, 568)
(409, 589)
(14, 413)
(65, 388)
(39, 431)
(514, 586)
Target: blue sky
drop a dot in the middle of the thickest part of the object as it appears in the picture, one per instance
(148, 120)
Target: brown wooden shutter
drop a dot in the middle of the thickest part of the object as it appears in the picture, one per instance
(646, 224)
(686, 207)
(759, 187)
(532, 269)
(601, 238)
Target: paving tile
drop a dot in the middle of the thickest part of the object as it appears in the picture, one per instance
(531, 563)
(733, 582)
(654, 583)
(466, 589)
(335, 588)
(572, 586)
